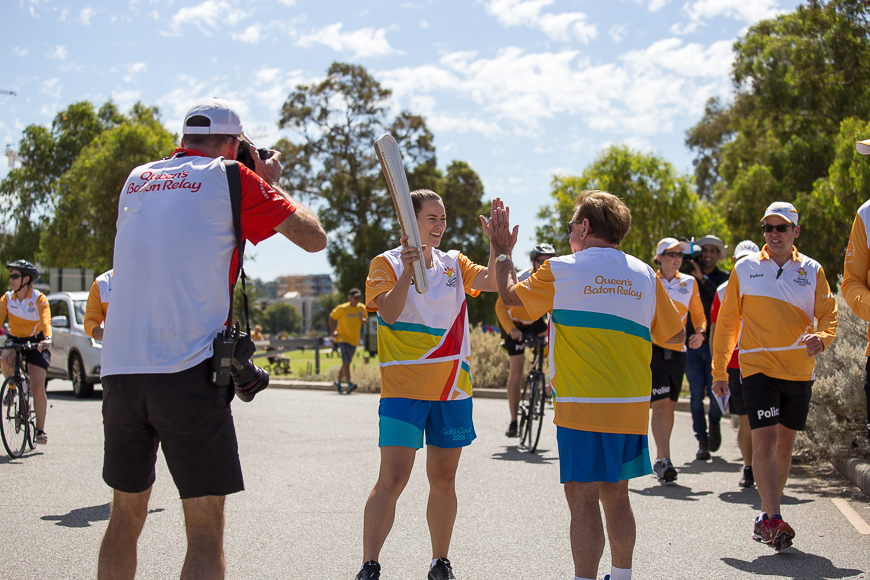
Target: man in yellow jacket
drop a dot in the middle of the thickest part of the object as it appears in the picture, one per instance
(776, 293)
(345, 323)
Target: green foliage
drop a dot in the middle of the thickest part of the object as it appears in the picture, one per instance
(796, 78)
(835, 425)
(662, 201)
(281, 317)
(82, 231)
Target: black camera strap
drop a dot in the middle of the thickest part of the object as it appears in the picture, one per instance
(234, 179)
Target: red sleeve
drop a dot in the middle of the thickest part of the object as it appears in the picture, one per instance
(714, 309)
(263, 208)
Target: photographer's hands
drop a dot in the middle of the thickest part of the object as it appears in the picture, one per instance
(270, 170)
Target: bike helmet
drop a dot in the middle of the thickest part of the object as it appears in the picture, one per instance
(542, 250)
(25, 267)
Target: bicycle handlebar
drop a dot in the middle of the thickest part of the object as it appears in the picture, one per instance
(21, 346)
(534, 340)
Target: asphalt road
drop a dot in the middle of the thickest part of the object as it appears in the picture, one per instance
(311, 458)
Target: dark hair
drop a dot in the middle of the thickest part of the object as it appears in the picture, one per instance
(421, 196)
(609, 218)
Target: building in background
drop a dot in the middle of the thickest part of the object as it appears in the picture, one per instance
(307, 285)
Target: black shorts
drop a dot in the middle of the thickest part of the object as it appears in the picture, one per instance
(33, 357)
(515, 348)
(347, 351)
(183, 412)
(769, 401)
(735, 388)
(668, 368)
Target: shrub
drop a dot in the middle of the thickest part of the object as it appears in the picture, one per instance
(836, 423)
(489, 361)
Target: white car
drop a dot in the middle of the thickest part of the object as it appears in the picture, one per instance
(74, 354)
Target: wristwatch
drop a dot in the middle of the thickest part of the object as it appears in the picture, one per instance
(503, 257)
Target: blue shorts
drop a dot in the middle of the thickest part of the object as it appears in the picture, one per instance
(447, 424)
(586, 456)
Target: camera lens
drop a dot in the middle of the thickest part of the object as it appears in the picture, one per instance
(249, 381)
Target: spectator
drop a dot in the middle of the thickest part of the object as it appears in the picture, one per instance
(345, 324)
(98, 305)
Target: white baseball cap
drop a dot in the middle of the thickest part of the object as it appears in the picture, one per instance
(863, 147)
(711, 240)
(745, 248)
(222, 118)
(784, 210)
(670, 243)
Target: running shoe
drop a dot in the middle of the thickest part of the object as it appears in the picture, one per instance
(41, 437)
(780, 533)
(659, 469)
(669, 472)
(703, 449)
(760, 532)
(351, 387)
(441, 570)
(748, 480)
(512, 430)
(715, 437)
(337, 386)
(371, 570)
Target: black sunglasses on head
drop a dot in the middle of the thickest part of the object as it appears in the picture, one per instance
(781, 228)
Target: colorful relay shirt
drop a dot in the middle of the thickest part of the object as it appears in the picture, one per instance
(856, 269)
(510, 317)
(777, 307)
(683, 292)
(425, 354)
(350, 320)
(607, 308)
(98, 302)
(175, 257)
(27, 317)
(734, 363)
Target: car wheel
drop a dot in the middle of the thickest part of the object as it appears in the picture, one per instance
(81, 387)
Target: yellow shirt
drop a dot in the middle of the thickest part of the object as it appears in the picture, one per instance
(98, 302)
(350, 320)
(27, 317)
(683, 292)
(856, 269)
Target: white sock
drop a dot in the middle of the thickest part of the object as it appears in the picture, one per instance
(760, 516)
(432, 565)
(620, 573)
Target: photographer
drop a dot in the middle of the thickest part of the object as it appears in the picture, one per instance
(699, 362)
(174, 266)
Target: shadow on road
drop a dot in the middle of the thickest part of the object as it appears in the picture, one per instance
(671, 491)
(514, 453)
(82, 517)
(794, 564)
(715, 465)
(17, 460)
(750, 497)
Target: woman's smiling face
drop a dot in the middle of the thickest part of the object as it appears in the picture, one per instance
(432, 221)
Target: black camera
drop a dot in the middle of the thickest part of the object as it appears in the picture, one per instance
(694, 256)
(243, 155)
(232, 360)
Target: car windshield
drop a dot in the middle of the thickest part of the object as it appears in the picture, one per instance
(80, 306)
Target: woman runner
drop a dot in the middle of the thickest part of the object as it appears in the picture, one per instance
(423, 349)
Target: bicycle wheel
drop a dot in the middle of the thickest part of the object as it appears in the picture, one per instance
(523, 413)
(15, 410)
(31, 423)
(536, 422)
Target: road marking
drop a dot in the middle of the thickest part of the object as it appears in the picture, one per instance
(851, 515)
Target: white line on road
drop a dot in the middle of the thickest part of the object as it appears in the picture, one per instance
(851, 515)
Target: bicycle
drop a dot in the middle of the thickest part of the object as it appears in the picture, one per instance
(18, 424)
(532, 398)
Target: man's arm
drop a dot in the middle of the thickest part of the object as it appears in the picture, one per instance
(94, 313)
(302, 227)
(855, 268)
(486, 279)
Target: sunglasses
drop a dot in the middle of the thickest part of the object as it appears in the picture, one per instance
(14, 276)
(571, 227)
(781, 228)
(673, 254)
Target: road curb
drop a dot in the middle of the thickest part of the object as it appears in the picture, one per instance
(855, 470)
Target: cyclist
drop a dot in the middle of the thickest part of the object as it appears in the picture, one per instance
(29, 323)
(424, 352)
(98, 303)
(516, 324)
(668, 363)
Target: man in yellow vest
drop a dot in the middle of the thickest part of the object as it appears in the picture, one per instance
(345, 323)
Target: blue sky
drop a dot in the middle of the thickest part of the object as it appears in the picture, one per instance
(521, 89)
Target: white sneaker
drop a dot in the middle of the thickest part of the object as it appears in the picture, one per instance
(41, 437)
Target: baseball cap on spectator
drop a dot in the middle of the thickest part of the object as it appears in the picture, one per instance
(745, 248)
(670, 243)
(711, 240)
(784, 210)
(213, 117)
(354, 292)
(863, 147)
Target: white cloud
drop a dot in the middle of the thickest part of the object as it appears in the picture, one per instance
(51, 87)
(562, 27)
(653, 5)
(63, 14)
(58, 53)
(617, 33)
(363, 43)
(642, 93)
(746, 10)
(86, 15)
(126, 99)
(18, 51)
(135, 69)
(211, 14)
(251, 35)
